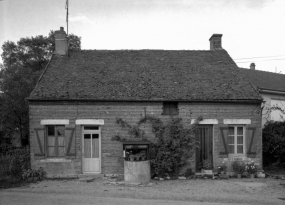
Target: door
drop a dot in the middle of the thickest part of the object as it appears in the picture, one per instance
(204, 150)
(91, 150)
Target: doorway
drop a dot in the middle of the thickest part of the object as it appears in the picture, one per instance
(204, 150)
(91, 149)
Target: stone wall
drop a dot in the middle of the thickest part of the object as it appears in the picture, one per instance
(112, 151)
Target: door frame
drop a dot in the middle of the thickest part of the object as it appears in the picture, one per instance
(211, 132)
(82, 147)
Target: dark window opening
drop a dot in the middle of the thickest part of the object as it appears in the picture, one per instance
(91, 127)
(170, 108)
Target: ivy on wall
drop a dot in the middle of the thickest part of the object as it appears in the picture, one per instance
(173, 146)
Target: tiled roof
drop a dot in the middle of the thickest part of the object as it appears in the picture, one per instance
(265, 80)
(138, 75)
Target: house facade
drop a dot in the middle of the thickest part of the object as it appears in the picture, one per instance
(271, 87)
(75, 104)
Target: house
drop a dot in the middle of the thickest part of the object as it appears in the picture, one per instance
(76, 101)
(271, 86)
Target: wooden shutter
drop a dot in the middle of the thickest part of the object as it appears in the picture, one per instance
(39, 142)
(251, 142)
(70, 142)
(223, 147)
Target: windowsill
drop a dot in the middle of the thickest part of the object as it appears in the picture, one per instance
(170, 114)
(55, 160)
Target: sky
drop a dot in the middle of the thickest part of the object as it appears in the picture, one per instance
(253, 30)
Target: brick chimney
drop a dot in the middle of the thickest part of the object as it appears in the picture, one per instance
(61, 47)
(216, 41)
(252, 66)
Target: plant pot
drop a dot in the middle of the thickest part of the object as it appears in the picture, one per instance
(239, 176)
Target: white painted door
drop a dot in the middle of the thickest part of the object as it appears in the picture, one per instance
(91, 151)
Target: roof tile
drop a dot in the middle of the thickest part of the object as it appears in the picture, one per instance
(174, 75)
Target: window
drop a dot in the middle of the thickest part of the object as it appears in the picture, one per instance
(170, 108)
(55, 140)
(277, 112)
(236, 140)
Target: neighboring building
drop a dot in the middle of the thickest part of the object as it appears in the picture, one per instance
(76, 101)
(271, 86)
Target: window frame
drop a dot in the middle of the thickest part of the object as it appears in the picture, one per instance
(236, 154)
(169, 108)
(56, 141)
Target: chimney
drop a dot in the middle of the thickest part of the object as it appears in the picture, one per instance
(60, 42)
(216, 42)
(252, 66)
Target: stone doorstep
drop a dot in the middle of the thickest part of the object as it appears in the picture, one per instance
(95, 176)
(89, 177)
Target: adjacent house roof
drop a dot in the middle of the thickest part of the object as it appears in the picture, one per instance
(265, 80)
(144, 75)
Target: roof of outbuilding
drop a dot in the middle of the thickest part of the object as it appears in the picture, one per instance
(264, 79)
(139, 75)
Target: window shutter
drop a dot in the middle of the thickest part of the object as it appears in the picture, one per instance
(39, 142)
(70, 142)
(251, 142)
(223, 147)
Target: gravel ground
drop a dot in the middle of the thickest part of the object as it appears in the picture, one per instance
(246, 191)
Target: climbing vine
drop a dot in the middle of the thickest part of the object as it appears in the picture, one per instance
(174, 143)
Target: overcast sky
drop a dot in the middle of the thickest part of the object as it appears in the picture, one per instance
(250, 28)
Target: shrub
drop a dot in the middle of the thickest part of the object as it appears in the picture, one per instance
(33, 175)
(273, 139)
(207, 164)
(16, 160)
(238, 167)
(251, 167)
(173, 148)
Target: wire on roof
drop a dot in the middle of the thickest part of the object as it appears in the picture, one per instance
(263, 60)
(258, 57)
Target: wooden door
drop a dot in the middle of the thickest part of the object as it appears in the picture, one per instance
(204, 151)
(91, 151)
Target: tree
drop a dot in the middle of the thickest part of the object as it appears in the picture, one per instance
(34, 52)
(273, 139)
(23, 63)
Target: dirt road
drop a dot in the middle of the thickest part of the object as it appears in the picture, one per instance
(233, 191)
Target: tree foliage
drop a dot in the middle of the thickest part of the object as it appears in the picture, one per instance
(273, 139)
(23, 63)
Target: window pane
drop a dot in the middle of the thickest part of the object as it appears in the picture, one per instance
(60, 141)
(61, 151)
(95, 145)
(231, 139)
(87, 146)
(240, 149)
(60, 132)
(51, 141)
(51, 151)
(240, 131)
(50, 130)
(239, 139)
(231, 131)
(231, 149)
